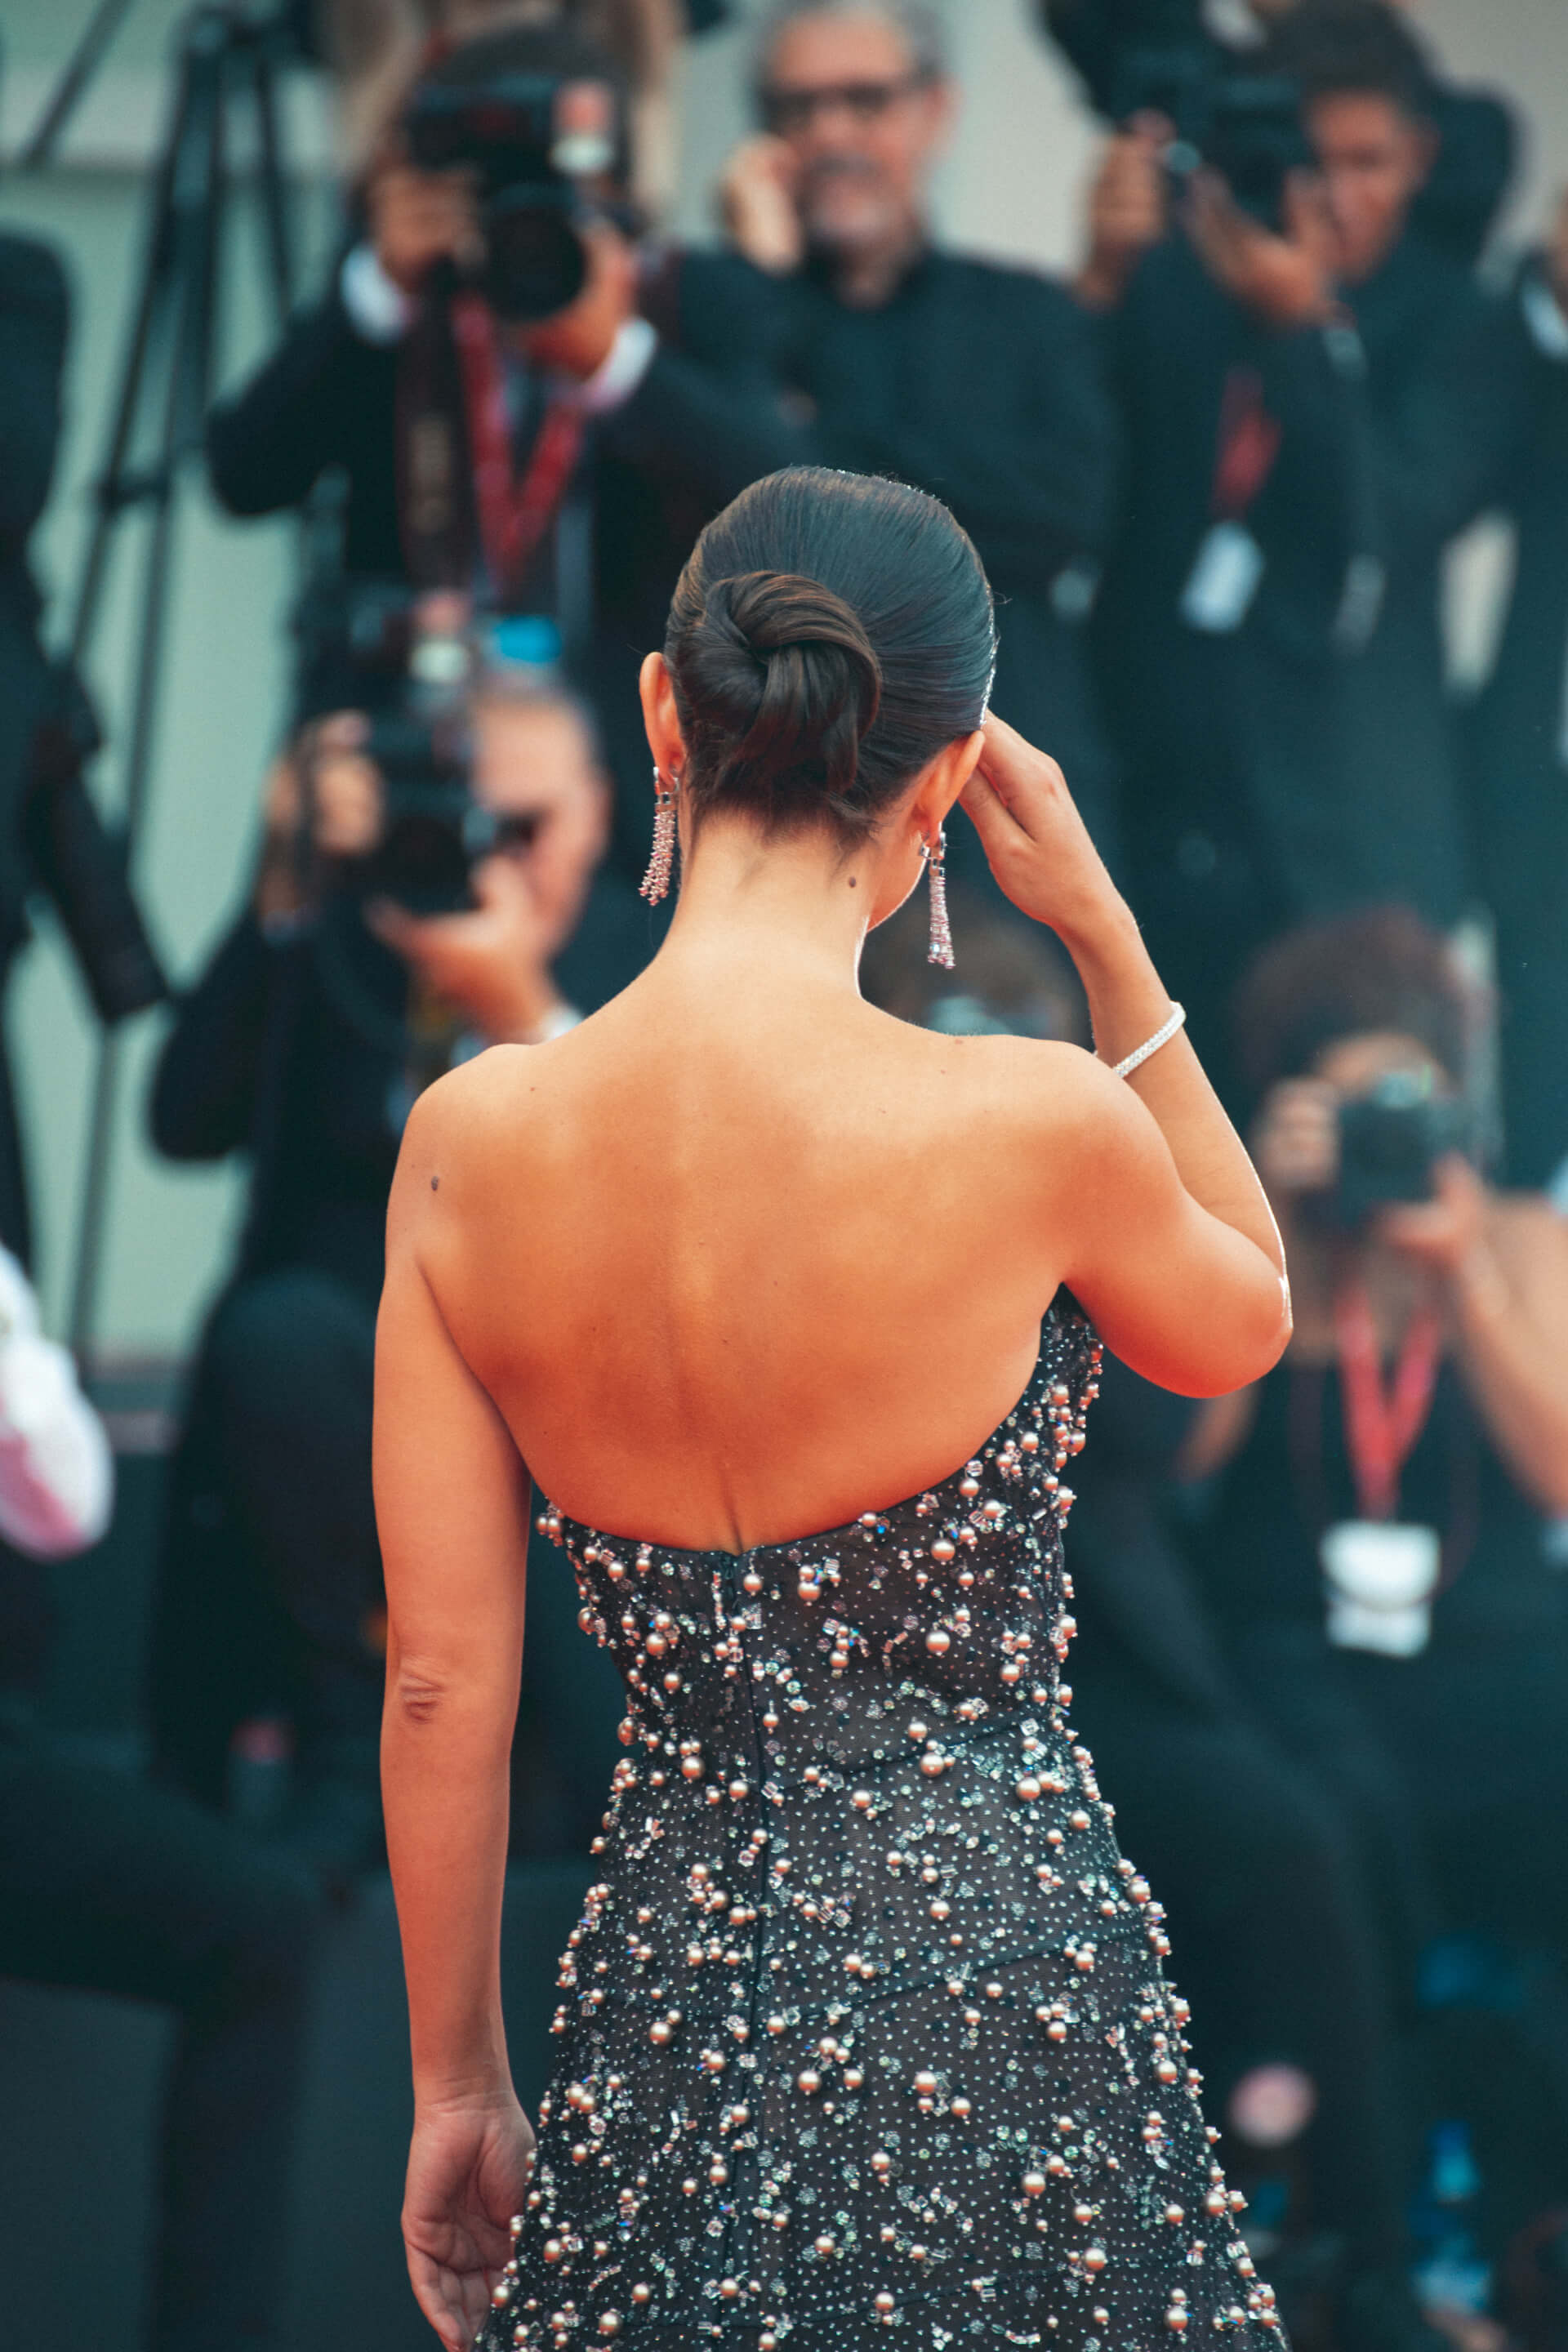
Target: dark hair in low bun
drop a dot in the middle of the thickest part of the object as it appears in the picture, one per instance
(829, 635)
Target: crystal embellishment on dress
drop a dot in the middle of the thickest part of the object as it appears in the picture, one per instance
(865, 2037)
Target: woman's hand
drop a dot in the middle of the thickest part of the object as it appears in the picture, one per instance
(1036, 842)
(468, 2169)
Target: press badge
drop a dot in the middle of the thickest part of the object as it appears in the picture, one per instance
(1222, 580)
(1380, 1581)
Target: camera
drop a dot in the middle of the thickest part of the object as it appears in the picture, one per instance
(406, 660)
(541, 146)
(1246, 126)
(1390, 1140)
(433, 832)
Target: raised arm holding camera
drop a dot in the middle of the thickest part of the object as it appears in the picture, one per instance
(481, 376)
(1316, 401)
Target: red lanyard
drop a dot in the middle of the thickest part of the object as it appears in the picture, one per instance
(513, 514)
(1382, 1424)
(1249, 441)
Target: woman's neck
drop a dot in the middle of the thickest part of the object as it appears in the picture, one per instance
(799, 903)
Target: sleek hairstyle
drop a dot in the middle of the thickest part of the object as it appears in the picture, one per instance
(1332, 48)
(829, 635)
(921, 29)
(1380, 969)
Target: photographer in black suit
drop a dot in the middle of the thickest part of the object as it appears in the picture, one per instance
(325, 1009)
(51, 837)
(1312, 411)
(560, 464)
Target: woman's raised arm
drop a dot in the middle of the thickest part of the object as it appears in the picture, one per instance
(1173, 1248)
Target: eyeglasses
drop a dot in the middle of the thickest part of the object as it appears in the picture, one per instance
(790, 111)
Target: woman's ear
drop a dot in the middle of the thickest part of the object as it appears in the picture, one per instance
(660, 716)
(943, 780)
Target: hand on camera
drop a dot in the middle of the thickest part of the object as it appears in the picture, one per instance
(1285, 279)
(757, 205)
(491, 961)
(1296, 1149)
(1036, 842)
(1446, 1234)
(1296, 1144)
(469, 2170)
(578, 341)
(417, 218)
(327, 772)
(1129, 209)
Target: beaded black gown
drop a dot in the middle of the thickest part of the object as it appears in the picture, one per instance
(866, 2041)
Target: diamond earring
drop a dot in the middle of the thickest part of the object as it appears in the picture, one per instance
(656, 881)
(940, 949)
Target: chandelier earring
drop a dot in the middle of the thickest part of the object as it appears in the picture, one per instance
(940, 949)
(661, 863)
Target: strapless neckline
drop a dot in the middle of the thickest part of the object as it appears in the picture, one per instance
(557, 1523)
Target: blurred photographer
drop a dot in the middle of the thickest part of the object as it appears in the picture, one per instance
(481, 378)
(1316, 401)
(978, 383)
(1132, 56)
(1378, 1552)
(335, 997)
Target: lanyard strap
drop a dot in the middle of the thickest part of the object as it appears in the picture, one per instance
(1248, 443)
(513, 514)
(1383, 1423)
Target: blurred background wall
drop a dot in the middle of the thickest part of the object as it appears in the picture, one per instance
(1013, 187)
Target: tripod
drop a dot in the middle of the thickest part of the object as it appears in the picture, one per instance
(226, 55)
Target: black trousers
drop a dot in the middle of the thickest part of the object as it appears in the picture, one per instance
(113, 1885)
(271, 1575)
(1272, 1936)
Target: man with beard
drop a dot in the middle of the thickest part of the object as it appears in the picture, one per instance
(976, 382)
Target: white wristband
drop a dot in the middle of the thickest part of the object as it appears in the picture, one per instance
(1162, 1036)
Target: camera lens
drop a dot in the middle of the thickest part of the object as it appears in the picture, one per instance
(535, 264)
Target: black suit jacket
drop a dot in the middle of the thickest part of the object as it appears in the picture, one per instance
(1314, 743)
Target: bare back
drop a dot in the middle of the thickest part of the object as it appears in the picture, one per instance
(735, 1265)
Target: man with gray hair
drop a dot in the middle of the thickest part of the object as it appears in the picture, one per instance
(978, 383)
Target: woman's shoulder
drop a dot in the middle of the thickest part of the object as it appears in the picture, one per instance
(460, 1119)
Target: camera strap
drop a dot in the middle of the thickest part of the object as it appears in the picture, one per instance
(514, 512)
(1383, 1422)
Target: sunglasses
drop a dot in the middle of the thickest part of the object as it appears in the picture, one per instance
(789, 111)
